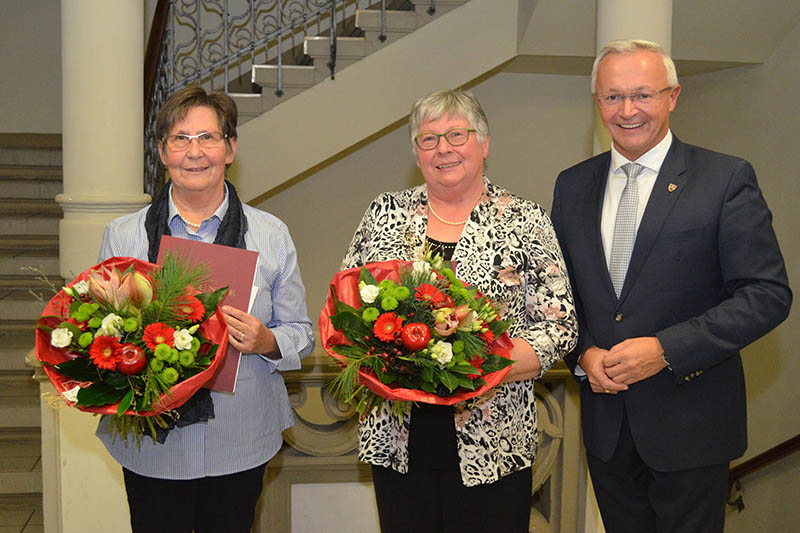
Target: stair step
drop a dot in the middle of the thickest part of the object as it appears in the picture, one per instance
(16, 262)
(21, 435)
(22, 510)
(24, 243)
(293, 76)
(33, 181)
(23, 304)
(19, 400)
(398, 24)
(29, 217)
(31, 282)
(14, 347)
(248, 105)
(442, 6)
(21, 482)
(33, 206)
(18, 156)
(348, 51)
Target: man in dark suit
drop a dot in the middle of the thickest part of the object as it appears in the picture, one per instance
(675, 267)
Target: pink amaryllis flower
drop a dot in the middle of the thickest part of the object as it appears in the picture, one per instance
(449, 319)
(110, 287)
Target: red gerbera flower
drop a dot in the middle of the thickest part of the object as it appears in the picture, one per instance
(487, 336)
(105, 352)
(477, 362)
(158, 333)
(425, 292)
(441, 299)
(387, 327)
(190, 308)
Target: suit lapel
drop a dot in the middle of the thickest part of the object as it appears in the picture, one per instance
(594, 215)
(668, 187)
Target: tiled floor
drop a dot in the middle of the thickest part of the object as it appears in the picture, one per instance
(21, 513)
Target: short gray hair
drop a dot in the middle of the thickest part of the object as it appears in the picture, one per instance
(453, 102)
(629, 46)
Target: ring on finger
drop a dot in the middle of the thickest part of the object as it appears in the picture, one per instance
(241, 336)
(607, 391)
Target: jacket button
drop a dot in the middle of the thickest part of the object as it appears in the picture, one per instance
(618, 317)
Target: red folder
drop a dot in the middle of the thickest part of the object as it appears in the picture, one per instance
(227, 267)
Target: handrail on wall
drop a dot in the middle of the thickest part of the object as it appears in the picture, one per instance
(758, 462)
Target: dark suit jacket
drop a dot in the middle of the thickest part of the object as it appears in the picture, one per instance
(706, 277)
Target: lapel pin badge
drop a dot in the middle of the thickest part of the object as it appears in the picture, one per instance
(671, 187)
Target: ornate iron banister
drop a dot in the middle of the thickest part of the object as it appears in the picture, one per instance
(758, 462)
(204, 41)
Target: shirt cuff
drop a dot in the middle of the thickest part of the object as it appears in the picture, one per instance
(289, 358)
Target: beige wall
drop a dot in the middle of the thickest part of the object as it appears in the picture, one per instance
(540, 124)
(753, 112)
(30, 63)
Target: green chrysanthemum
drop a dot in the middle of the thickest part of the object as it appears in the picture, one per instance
(162, 352)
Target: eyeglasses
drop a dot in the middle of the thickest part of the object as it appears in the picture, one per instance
(642, 99)
(207, 139)
(455, 137)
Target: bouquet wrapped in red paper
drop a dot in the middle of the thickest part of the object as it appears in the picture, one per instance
(132, 339)
(412, 332)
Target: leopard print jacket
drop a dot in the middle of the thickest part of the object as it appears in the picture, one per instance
(508, 249)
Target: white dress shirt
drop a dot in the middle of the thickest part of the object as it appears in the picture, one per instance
(246, 430)
(651, 161)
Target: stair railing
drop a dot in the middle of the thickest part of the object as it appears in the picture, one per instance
(206, 42)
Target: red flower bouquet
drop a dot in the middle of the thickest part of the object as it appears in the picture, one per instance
(412, 332)
(132, 339)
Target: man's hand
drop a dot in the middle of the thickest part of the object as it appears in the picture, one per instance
(593, 363)
(634, 359)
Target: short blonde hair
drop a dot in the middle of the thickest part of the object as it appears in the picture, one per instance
(629, 46)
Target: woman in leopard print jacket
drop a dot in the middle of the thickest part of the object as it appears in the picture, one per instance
(433, 465)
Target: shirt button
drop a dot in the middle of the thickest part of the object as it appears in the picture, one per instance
(618, 317)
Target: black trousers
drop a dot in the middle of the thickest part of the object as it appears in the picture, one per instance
(211, 504)
(634, 498)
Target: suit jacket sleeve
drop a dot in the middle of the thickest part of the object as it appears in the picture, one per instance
(757, 298)
(585, 339)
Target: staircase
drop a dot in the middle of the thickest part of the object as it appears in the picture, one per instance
(30, 177)
(370, 95)
(311, 65)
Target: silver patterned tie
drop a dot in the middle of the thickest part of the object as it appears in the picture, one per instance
(625, 227)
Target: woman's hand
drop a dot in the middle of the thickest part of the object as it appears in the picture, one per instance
(247, 334)
(526, 362)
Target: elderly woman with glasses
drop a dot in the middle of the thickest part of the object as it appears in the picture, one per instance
(466, 467)
(207, 475)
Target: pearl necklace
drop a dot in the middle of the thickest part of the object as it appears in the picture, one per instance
(192, 224)
(443, 221)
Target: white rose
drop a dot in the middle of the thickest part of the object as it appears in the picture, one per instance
(71, 394)
(368, 293)
(61, 337)
(183, 339)
(442, 352)
(111, 326)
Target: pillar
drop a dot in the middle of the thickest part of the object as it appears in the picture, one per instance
(630, 19)
(102, 58)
